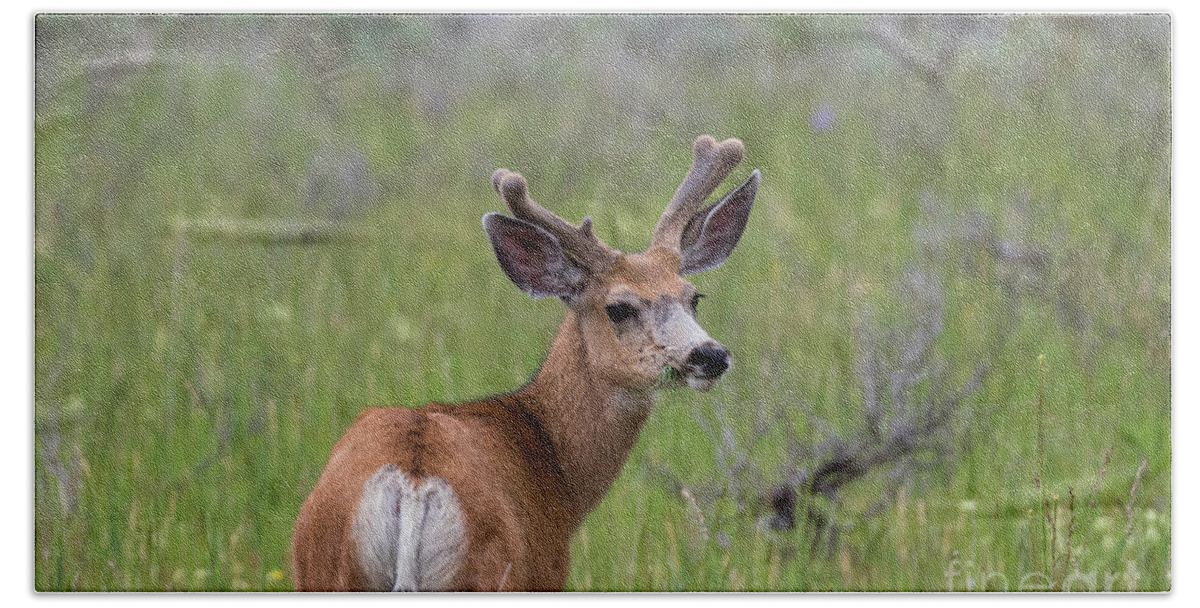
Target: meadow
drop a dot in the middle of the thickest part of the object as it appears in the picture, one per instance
(956, 278)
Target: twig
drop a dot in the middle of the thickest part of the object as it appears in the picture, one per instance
(1100, 478)
(1137, 480)
(1070, 529)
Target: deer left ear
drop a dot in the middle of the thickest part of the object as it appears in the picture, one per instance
(714, 231)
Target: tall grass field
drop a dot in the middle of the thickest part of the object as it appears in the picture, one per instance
(950, 314)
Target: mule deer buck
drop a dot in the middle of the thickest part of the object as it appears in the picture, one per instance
(486, 495)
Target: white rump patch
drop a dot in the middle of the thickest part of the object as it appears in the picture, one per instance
(409, 538)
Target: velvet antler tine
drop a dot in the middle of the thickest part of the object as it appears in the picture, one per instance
(580, 241)
(711, 164)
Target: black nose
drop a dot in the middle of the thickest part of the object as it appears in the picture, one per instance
(709, 360)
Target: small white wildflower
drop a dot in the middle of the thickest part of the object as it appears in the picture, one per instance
(1152, 534)
(74, 406)
(279, 312)
(402, 328)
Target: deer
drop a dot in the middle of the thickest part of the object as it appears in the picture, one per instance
(486, 495)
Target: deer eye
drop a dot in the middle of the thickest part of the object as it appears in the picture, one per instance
(620, 312)
(696, 301)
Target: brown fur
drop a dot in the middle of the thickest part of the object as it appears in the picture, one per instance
(536, 462)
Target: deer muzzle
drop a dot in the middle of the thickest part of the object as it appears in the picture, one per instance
(698, 360)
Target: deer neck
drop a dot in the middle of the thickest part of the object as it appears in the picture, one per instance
(592, 422)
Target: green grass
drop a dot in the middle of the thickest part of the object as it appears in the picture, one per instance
(192, 373)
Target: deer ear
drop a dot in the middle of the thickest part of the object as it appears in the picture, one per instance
(714, 231)
(532, 258)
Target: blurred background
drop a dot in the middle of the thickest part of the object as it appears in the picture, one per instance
(950, 313)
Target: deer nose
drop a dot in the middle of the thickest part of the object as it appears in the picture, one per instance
(709, 360)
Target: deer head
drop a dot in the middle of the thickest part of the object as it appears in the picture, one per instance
(636, 313)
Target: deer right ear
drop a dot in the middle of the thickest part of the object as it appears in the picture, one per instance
(532, 258)
(714, 231)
